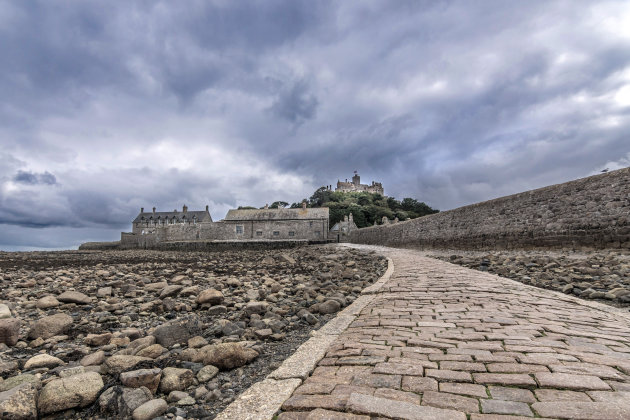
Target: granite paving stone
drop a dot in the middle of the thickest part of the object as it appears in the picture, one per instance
(570, 381)
(517, 379)
(583, 410)
(473, 390)
(364, 404)
(446, 400)
(506, 407)
(546, 395)
(511, 394)
(419, 384)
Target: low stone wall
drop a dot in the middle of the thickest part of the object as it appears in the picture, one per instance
(226, 245)
(148, 242)
(99, 245)
(591, 212)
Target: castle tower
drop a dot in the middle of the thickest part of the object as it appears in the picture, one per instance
(356, 179)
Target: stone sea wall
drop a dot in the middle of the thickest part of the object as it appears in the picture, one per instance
(589, 213)
(219, 246)
(150, 242)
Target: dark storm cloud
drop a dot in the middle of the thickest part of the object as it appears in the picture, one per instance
(109, 107)
(295, 103)
(26, 177)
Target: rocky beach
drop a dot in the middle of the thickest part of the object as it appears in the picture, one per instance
(140, 334)
(595, 275)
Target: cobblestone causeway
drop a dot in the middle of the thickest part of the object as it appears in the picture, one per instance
(444, 342)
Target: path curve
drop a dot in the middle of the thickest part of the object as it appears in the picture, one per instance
(439, 341)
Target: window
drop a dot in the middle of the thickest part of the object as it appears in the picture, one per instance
(310, 224)
(291, 233)
(259, 233)
(317, 234)
(276, 233)
(239, 229)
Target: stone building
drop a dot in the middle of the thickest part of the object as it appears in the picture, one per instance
(341, 230)
(272, 224)
(148, 222)
(356, 186)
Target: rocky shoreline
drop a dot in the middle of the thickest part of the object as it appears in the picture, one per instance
(140, 334)
(602, 276)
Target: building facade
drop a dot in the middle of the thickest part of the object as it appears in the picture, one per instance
(356, 186)
(274, 224)
(148, 222)
(149, 228)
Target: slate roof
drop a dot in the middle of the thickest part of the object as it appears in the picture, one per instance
(201, 216)
(277, 214)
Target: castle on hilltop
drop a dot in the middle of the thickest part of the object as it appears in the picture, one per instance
(356, 186)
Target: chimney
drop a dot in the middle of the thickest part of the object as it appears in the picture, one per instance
(141, 209)
(154, 211)
(266, 206)
(184, 209)
(304, 205)
(207, 208)
(351, 217)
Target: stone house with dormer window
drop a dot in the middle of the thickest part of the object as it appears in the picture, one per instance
(148, 222)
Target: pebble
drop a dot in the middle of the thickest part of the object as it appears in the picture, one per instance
(74, 391)
(50, 326)
(47, 302)
(150, 409)
(42, 360)
(5, 311)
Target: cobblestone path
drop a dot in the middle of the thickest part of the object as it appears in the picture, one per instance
(445, 342)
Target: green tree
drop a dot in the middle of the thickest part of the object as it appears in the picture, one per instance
(364, 199)
(402, 215)
(320, 196)
(414, 206)
(278, 204)
(393, 204)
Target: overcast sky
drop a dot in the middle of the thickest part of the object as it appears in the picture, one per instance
(107, 107)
